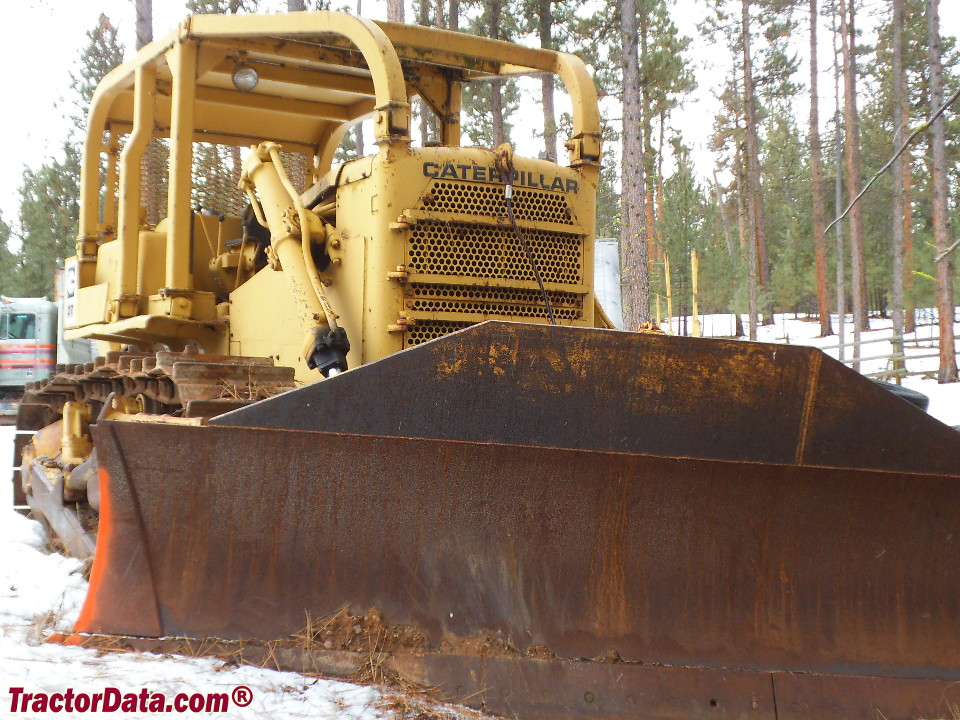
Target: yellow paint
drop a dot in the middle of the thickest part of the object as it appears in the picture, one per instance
(76, 444)
(417, 237)
(695, 274)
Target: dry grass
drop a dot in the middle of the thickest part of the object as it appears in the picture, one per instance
(105, 644)
(85, 569)
(403, 705)
(952, 712)
(249, 391)
(320, 648)
(373, 671)
(309, 638)
(42, 625)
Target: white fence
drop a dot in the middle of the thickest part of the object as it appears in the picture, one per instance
(885, 355)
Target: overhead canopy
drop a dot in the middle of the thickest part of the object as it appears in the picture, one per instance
(319, 73)
(321, 70)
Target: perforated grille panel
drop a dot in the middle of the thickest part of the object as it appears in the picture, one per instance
(429, 330)
(437, 248)
(476, 199)
(457, 248)
(516, 302)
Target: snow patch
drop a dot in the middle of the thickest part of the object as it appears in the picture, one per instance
(42, 592)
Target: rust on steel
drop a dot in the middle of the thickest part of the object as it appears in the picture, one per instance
(546, 689)
(640, 393)
(710, 563)
(600, 494)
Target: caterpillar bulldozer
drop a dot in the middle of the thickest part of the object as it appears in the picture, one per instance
(382, 392)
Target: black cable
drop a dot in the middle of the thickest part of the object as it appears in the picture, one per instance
(508, 201)
(906, 143)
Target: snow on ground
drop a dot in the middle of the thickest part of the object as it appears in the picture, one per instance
(41, 592)
(919, 347)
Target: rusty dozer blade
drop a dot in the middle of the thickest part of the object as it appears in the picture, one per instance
(739, 529)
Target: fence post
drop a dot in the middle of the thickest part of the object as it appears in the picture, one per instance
(900, 363)
(694, 268)
(666, 274)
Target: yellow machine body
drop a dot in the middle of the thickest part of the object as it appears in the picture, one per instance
(416, 240)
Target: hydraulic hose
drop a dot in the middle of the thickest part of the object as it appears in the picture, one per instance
(325, 342)
(304, 237)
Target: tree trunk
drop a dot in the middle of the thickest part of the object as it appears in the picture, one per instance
(496, 86)
(941, 219)
(153, 165)
(646, 137)
(731, 252)
(295, 6)
(394, 10)
(428, 124)
(858, 273)
(838, 192)
(753, 166)
(453, 15)
(743, 215)
(144, 10)
(547, 83)
(909, 310)
(633, 238)
(899, 108)
(657, 239)
(819, 239)
(358, 129)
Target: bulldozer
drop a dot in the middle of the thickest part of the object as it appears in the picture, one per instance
(380, 396)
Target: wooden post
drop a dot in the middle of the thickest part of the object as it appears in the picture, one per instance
(666, 275)
(694, 271)
(658, 310)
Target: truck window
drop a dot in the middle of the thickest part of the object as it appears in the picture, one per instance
(18, 326)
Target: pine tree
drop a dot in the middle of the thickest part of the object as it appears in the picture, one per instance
(633, 240)
(221, 7)
(49, 213)
(608, 195)
(144, 12)
(9, 282)
(684, 222)
(728, 141)
(816, 176)
(489, 105)
(940, 202)
(858, 274)
(102, 54)
(732, 256)
(49, 194)
(665, 77)
(394, 10)
(755, 203)
(545, 31)
(899, 169)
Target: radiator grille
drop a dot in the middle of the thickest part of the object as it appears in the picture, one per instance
(437, 248)
(516, 302)
(424, 331)
(470, 199)
(469, 249)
